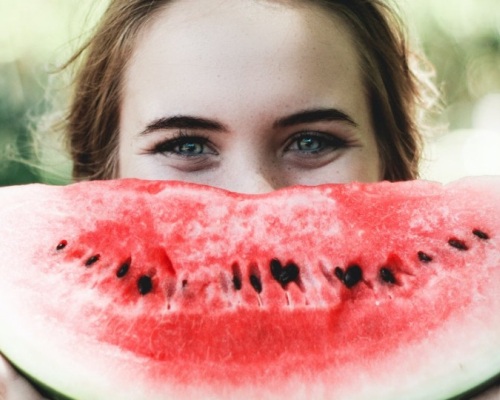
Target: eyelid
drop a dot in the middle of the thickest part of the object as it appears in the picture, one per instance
(330, 139)
(179, 138)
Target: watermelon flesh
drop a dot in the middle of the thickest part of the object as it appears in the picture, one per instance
(134, 289)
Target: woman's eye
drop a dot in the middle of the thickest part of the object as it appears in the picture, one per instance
(190, 148)
(309, 144)
(315, 142)
(186, 146)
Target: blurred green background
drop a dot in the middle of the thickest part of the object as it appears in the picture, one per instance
(460, 37)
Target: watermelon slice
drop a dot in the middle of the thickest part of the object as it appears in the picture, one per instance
(153, 290)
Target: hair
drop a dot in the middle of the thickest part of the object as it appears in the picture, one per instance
(397, 82)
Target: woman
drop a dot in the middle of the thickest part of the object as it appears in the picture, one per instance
(250, 96)
(247, 64)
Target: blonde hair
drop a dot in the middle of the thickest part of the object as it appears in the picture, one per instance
(398, 87)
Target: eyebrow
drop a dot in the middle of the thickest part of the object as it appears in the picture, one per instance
(315, 115)
(183, 122)
(301, 117)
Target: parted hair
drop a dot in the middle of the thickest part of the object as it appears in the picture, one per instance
(397, 81)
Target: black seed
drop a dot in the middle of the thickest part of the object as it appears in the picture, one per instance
(256, 284)
(276, 268)
(424, 257)
(122, 271)
(92, 260)
(237, 276)
(62, 244)
(480, 234)
(290, 273)
(339, 273)
(184, 283)
(352, 276)
(144, 284)
(286, 274)
(457, 244)
(237, 283)
(387, 275)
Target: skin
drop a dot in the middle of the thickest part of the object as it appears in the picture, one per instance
(13, 387)
(246, 67)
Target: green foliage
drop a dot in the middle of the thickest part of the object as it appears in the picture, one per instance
(15, 139)
(462, 40)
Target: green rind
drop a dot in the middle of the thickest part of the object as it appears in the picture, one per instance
(480, 389)
(45, 391)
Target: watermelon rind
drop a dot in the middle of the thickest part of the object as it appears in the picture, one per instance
(51, 394)
(43, 390)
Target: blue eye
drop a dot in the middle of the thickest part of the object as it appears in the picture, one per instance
(316, 142)
(190, 148)
(309, 144)
(184, 145)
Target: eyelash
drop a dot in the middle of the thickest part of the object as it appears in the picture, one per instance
(170, 146)
(328, 140)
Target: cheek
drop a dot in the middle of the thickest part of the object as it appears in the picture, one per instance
(368, 159)
(369, 165)
(123, 157)
(361, 165)
(129, 163)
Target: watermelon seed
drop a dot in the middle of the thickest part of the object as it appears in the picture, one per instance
(387, 275)
(237, 283)
(144, 284)
(339, 273)
(62, 244)
(480, 234)
(424, 257)
(457, 244)
(184, 283)
(352, 276)
(256, 283)
(122, 271)
(286, 274)
(92, 260)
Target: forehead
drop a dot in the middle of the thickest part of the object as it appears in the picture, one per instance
(244, 48)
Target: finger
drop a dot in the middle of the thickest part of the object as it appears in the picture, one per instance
(13, 386)
(490, 394)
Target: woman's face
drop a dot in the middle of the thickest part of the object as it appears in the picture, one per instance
(249, 96)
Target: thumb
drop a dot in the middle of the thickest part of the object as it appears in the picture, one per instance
(13, 386)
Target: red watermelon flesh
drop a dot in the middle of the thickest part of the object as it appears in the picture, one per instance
(152, 290)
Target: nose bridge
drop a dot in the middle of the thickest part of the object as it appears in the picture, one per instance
(252, 174)
(255, 180)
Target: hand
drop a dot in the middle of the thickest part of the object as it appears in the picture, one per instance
(491, 394)
(13, 386)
